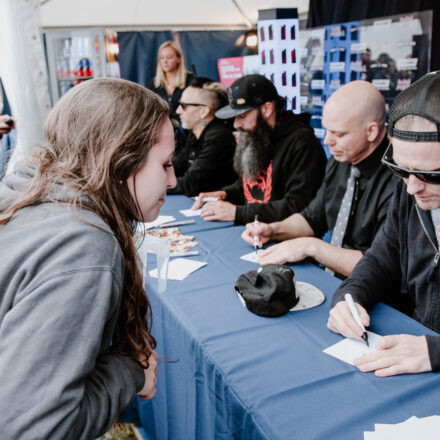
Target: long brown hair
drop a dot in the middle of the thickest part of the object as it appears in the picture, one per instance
(100, 133)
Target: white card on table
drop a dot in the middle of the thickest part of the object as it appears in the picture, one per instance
(251, 256)
(159, 221)
(180, 268)
(349, 349)
(191, 212)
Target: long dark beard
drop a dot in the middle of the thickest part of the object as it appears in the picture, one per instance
(253, 150)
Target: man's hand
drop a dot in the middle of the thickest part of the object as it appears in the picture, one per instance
(287, 251)
(149, 389)
(220, 195)
(397, 354)
(263, 230)
(218, 211)
(341, 320)
(4, 127)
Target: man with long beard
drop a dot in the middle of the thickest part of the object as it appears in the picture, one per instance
(279, 160)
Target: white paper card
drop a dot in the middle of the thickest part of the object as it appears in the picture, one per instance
(159, 221)
(348, 349)
(180, 268)
(251, 256)
(191, 212)
(425, 428)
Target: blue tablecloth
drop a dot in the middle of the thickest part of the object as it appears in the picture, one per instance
(242, 376)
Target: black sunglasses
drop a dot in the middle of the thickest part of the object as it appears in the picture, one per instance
(424, 176)
(184, 105)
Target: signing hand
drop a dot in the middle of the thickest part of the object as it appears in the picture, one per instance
(341, 320)
(263, 230)
(397, 354)
(220, 195)
(288, 251)
(149, 389)
(218, 211)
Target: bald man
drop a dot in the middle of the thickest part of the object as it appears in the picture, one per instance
(206, 161)
(354, 118)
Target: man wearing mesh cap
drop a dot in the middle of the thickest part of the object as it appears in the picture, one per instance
(401, 268)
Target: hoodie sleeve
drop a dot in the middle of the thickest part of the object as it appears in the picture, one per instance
(380, 265)
(234, 192)
(62, 383)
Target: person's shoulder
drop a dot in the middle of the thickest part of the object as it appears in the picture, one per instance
(79, 232)
(296, 129)
(296, 121)
(218, 131)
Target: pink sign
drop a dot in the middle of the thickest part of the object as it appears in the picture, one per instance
(229, 69)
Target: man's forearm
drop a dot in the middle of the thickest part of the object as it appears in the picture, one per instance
(292, 227)
(341, 260)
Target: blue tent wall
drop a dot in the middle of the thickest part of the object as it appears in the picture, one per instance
(138, 52)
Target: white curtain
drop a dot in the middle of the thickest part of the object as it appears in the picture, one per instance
(23, 72)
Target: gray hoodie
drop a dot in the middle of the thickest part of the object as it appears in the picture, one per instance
(60, 290)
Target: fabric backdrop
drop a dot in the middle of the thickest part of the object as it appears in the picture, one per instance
(324, 12)
(202, 48)
(138, 52)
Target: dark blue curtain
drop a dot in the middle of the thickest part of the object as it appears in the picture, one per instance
(202, 48)
(138, 54)
(6, 108)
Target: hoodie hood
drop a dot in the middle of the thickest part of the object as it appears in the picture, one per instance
(290, 122)
(16, 183)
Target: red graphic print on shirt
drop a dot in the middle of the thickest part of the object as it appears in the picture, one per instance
(259, 190)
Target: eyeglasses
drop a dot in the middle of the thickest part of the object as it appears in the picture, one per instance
(425, 176)
(184, 105)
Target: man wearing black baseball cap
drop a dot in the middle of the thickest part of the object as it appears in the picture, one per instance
(279, 160)
(401, 267)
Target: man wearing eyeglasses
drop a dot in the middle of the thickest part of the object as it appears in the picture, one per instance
(353, 199)
(206, 159)
(401, 268)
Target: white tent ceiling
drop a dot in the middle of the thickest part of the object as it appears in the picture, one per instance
(158, 14)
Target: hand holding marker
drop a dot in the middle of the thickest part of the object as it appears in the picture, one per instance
(355, 314)
(256, 236)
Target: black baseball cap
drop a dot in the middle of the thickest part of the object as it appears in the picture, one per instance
(421, 99)
(246, 93)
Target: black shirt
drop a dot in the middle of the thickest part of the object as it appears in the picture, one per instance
(205, 164)
(372, 194)
(174, 99)
(291, 179)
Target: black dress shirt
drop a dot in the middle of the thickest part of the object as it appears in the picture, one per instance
(372, 194)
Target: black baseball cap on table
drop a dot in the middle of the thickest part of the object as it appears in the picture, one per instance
(246, 93)
(272, 291)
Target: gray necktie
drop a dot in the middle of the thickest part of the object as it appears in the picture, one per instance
(344, 211)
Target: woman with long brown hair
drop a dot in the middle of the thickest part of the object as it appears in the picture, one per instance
(75, 342)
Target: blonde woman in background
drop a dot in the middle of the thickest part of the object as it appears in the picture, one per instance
(171, 77)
